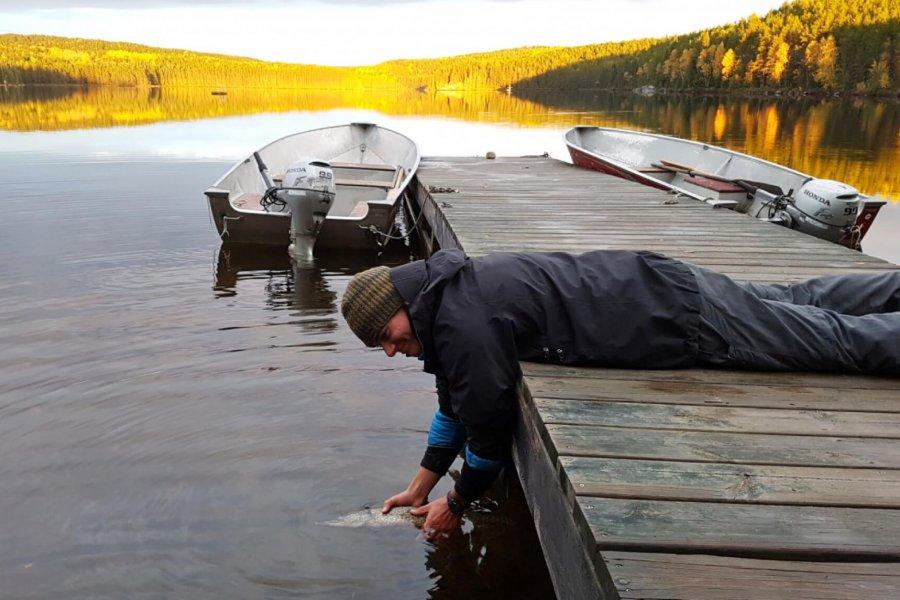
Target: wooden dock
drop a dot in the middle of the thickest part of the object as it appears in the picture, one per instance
(694, 483)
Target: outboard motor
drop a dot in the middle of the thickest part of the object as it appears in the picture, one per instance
(821, 207)
(825, 209)
(308, 190)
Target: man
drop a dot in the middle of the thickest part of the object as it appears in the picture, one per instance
(471, 320)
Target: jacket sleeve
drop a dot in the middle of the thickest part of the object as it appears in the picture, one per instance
(446, 435)
(477, 353)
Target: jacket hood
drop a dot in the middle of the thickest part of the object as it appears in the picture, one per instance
(420, 284)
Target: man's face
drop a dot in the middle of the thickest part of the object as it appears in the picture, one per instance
(398, 336)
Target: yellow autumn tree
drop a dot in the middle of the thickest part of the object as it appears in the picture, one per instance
(727, 64)
(778, 60)
(823, 62)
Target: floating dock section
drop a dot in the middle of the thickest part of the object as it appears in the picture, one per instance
(693, 483)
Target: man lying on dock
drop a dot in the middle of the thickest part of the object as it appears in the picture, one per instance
(471, 320)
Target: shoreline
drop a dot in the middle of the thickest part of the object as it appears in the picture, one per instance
(776, 93)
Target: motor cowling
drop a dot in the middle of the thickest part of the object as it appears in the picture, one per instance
(308, 190)
(825, 208)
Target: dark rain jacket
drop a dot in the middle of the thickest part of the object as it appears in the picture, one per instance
(476, 318)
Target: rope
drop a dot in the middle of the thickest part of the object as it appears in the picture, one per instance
(855, 237)
(225, 219)
(374, 230)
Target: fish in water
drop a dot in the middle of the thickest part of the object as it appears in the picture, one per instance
(373, 518)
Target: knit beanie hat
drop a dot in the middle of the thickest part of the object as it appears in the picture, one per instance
(369, 303)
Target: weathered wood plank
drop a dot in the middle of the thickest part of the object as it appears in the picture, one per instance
(718, 418)
(711, 393)
(703, 376)
(809, 531)
(716, 482)
(701, 577)
(737, 448)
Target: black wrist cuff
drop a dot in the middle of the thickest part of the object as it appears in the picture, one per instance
(457, 507)
(438, 459)
(473, 483)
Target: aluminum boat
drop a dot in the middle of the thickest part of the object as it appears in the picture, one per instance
(827, 209)
(357, 175)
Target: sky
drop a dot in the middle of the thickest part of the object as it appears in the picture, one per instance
(361, 32)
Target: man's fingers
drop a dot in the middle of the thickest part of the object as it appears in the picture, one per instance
(388, 505)
(421, 511)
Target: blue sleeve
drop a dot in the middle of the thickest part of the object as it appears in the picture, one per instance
(446, 435)
(446, 432)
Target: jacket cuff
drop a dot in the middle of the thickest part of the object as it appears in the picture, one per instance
(473, 483)
(438, 459)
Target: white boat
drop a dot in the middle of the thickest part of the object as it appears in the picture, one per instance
(827, 209)
(361, 172)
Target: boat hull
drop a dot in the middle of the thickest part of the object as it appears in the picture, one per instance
(273, 229)
(597, 163)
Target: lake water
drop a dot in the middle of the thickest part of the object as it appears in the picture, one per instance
(178, 418)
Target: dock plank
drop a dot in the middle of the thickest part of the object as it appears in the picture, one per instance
(713, 393)
(743, 483)
(700, 468)
(717, 418)
(813, 532)
(714, 376)
(700, 577)
(704, 446)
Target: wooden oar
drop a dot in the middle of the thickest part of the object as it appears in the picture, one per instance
(750, 186)
(691, 171)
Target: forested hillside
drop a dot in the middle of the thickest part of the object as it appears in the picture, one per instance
(851, 45)
(44, 59)
(834, 45)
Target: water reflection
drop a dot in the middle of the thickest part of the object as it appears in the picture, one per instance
(55, 108)
(300, 288)
(500, 558)
(850, 140)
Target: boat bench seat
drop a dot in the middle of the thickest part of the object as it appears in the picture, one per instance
(360, 210)
(722, 187)
(340, 165)
(363, 183)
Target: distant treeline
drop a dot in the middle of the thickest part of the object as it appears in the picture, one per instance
(833, 45)
(849, 45)
(32, 59)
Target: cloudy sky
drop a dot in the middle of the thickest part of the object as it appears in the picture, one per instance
(356, 32)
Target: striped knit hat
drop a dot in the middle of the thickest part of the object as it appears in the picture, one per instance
(369, 303)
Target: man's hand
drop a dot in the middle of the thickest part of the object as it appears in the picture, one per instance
(404, 498)
(415, 494)
(439, 521)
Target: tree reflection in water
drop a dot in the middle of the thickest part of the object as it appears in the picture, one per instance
(853, 140)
